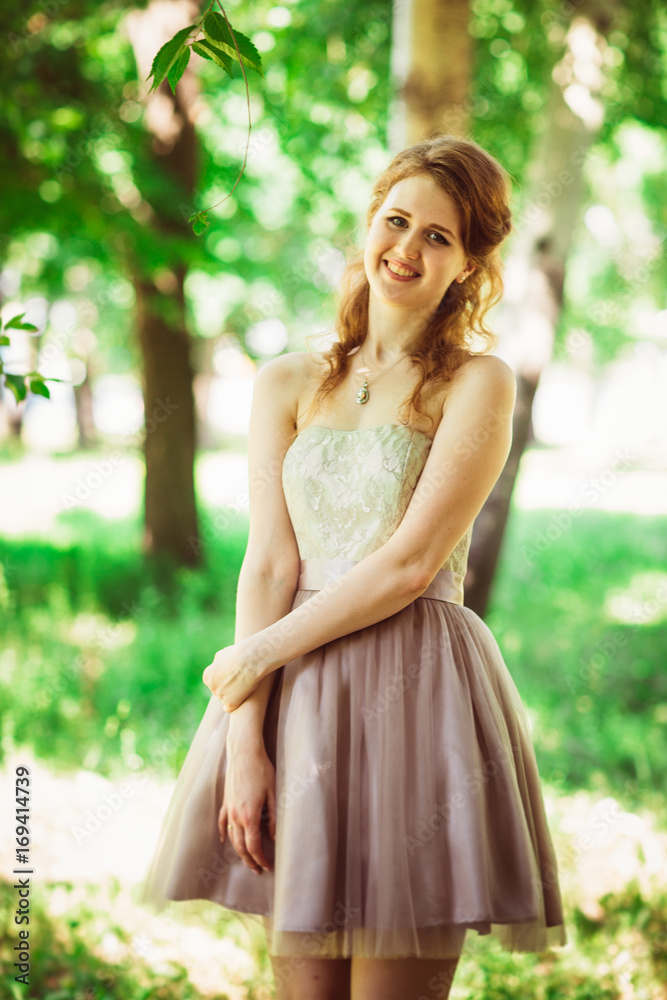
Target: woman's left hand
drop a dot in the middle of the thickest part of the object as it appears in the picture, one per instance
(233, 676)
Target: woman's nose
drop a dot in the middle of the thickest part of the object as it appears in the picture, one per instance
(409, 245)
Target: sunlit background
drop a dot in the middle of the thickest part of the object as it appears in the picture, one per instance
(103, 644)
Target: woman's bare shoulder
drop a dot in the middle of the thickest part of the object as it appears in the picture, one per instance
(485, 369)
(482, 377)
(313, 363)
(297, 366)
(287, 379)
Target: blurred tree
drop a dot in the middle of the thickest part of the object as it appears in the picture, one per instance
(73, 91)
(432, 53)
(83, 401)
(91, 202)
(551, 60)
(585, 74)
(536, 270)
(170, 506)
(99, 181)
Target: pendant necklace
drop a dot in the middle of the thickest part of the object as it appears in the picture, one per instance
(363, 393)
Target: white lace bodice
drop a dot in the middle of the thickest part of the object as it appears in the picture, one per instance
(347, 490)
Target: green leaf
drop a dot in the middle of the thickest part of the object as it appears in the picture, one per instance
(218, 34)
(15, 323)
(3, 340)
(205, 49)
(170, 52)
(217, 28)
(37, 386)
(199, 222)
(15, 319)
(17, 384)
(178, 69)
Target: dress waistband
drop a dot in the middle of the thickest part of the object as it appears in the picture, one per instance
(315, 574)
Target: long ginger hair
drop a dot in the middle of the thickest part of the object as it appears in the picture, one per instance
(479, 187)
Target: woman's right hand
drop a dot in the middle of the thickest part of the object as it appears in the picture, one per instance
(250, 786)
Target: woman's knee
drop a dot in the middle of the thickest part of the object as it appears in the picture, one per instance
(300, 978)
(402, 978)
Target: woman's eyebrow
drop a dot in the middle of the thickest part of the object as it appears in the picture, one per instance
(433, 225)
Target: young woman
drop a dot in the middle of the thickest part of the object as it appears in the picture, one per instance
(363, 779)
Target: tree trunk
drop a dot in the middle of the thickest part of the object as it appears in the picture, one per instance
(535, 272)
(432, 96)
(171, 526)
(169, 445)
(431, 88)
(491, 521)
(83, 402)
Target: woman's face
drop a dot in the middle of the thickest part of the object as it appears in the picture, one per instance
(413, 249)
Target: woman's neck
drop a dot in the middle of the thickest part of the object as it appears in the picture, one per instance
(392, 332)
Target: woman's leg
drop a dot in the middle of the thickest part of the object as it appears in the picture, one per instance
(402, 978)
(300, 978)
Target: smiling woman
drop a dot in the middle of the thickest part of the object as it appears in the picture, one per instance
(366, 752)
(394, 240)
(439, 211)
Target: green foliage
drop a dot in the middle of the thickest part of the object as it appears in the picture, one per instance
(37, 386)
(593, 683)
(73, 97)
(234, 44)
(77, 147)
(620, 953)
(17, 384)
(17, 323)
(14, 381)
(221, 44)
(178, 68)
(209, 51)
(628, 914)
(170, 58)
(65, 961)
(110, 649)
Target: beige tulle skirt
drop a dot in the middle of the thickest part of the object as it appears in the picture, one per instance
(409, 808)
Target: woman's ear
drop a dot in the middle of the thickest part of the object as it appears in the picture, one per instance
(470, 267)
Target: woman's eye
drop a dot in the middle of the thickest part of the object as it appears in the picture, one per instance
(401, 223)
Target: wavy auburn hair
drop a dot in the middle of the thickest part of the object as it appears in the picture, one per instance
(479, 187)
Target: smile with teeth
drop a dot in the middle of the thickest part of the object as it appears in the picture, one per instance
(402, 272)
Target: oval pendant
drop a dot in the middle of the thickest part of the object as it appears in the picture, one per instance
(363, 394)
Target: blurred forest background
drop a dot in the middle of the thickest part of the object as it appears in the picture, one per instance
(123, 506)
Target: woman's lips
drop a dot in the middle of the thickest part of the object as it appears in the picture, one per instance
(409, 274)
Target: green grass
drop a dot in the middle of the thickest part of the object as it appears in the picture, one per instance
(622, 953)
(66, 962)
(101, 666)
(596, 687)
(104, 651)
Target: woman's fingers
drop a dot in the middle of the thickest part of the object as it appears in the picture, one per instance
(254, 847)
(246, 841)
(271, 808)
(243, 813)
(238, 838)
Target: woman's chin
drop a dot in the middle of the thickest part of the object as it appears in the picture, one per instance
(399, 295)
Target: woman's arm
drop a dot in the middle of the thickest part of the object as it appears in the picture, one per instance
(270, 570)
(260, 601)
(468, 453)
